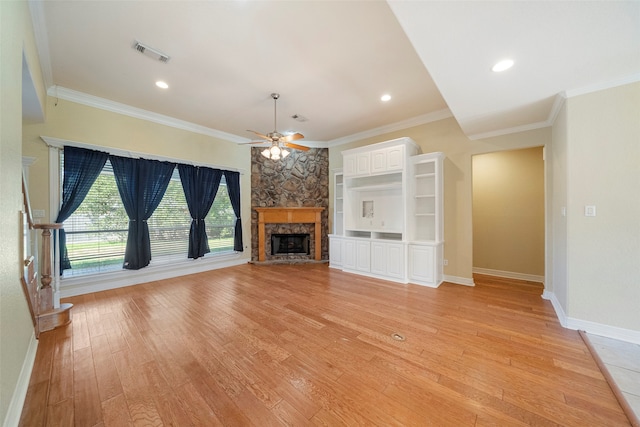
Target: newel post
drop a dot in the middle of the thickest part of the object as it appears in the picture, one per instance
(46, 292)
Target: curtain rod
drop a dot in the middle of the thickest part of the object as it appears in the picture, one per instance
(60, 143)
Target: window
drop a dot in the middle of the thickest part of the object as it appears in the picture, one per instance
(97, 230)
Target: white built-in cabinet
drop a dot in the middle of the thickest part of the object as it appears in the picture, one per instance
(388, 213)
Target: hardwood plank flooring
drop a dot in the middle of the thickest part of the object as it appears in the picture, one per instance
(306, 345)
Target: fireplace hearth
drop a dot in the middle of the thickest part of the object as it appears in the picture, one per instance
(282, 244)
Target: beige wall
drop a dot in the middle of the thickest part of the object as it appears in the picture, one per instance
(603, 169)
(75, 122)
(16, 329)
(508, 211)
(446, 136)
(80, 123)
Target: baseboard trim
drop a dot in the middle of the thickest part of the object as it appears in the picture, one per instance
(509, 274)
(12, 419)
(562, 317)
(465, 281)
(81, 285)
(614, 332)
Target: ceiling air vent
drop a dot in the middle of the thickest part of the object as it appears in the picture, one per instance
(151, 52)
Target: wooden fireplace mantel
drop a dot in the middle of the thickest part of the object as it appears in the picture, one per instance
(298, 215)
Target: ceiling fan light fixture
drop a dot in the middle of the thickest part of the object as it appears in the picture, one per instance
(275, 152)
(279, 140)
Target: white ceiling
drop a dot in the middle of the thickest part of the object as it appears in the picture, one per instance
(332, 60)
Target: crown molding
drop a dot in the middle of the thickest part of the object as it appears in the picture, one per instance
(633, 78)
(557, 106)
(507, 131)
(138, 113)
(404, 124)
(59, 143)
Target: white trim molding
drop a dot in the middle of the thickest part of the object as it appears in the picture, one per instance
(590, 327)
(459, 280)
(80, 285)
(509, 274)
(138, 113)
(19, 395)
(58, 143)
(633, 78)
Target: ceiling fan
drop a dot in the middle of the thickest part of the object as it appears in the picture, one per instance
(278, 141)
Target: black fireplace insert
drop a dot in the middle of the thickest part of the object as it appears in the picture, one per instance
(290, 244)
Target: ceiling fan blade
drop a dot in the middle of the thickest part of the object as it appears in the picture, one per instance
(259, 134)
(296, 146)
(292, 137)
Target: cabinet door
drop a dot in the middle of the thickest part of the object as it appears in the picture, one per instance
(349, 165)
(349, 254)
(422, 267)
(362, 164)
(387, 259)
(379, 161)
(395, 158)
(335, 252)
(395, 260)
(363, 256)
(379, 258)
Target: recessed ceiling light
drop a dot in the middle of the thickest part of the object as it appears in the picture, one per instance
(162, 84)
(505, 64)
(385, 97)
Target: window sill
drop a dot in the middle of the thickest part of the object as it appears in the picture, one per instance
(80, 285)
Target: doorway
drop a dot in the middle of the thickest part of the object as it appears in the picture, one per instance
(509, 214)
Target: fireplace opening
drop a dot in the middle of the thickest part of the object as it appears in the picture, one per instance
(290, 244)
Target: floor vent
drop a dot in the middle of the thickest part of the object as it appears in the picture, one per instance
(396, 336)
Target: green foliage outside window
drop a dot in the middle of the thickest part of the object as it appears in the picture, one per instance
(97, 230)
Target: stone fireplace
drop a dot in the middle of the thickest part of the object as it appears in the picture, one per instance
(299, 181)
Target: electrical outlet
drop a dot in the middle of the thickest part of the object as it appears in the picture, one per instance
(589, 211)
(445, 262)
(38, 213)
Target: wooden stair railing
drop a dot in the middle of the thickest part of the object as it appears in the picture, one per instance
(45, 315)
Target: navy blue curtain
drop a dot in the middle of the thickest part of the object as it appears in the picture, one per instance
(200, 185)
(233, 188)
(141, 184)
(81, 168)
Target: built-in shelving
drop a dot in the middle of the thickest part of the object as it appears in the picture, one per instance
(427, 209)
(388, 213)
(338, 205)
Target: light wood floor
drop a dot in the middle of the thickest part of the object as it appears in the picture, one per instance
(308, 345)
